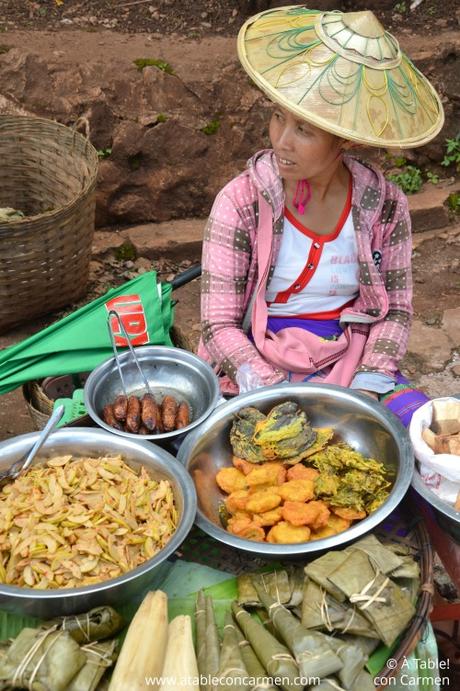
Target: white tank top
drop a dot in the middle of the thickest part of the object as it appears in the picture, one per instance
(314, 274)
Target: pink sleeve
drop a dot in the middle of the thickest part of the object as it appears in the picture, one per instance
(227, 249)
(387, 342)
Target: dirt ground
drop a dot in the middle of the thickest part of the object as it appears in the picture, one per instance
(200, 17)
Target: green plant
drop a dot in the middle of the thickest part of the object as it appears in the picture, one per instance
(161, 117)
(409, 179)
(400, 7)
(453, 202)
(395, 161)
(211, 127)
(104, 153)
(432, 177)
(126, 252)
(154, 62)
(452, 153)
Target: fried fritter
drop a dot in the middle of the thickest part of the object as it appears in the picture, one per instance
(230, 480)
(301, 472)
(348, 513)
(315, 514)
(286, 533)
(242, 465)
(267, 474)
(236, 501)
(262, 501)
(296, 490)
(268, 518)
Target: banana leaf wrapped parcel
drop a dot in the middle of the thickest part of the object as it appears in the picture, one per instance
(277, 583)
(95, 625)
(207, 638)
(322, 612)
(41, 661)
(275, 657)
(232, 670)
(252, 664)
(377, 597)
(312, 652)
(99, 657)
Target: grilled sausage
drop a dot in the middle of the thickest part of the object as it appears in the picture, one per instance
(143, 430)
(120, 408)
(109, 417)
(150, 412)
(133, 418)
(183, 415)
(168, 412)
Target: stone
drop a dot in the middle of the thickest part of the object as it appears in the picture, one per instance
(451, 325)
(432, 347)
(105, 242)
(455, 370)
(427, 207)
(179, 239)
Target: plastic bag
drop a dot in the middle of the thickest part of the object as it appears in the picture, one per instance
(440, 472)
(247, 379)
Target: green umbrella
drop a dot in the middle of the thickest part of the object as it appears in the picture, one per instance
(80, 341)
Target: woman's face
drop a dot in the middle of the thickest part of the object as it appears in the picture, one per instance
(302, 150)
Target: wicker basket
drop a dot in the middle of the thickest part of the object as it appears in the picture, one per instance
(40, 405)
(48, 172)
(399, 527)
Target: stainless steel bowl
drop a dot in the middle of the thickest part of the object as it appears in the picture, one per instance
(132, 585)
(358, 420)
(169, 371)
(447, 517)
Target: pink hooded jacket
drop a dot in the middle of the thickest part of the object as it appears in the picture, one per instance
(230, 250)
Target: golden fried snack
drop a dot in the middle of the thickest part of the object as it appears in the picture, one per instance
(120, 408)
(183, 415)
(286, 533)
(230, 480)
(338, 524)
(262, 501)
(109, 417)
(313, 513)
(268, 518)
(168, 412)
(239, 522)
(334, 525)
(236, 501)
(253, 532)
(296, 490)
(149, 412)
(301, 472)
(242, 465)
(266, 474)
(322, 533)
(349, 514)
(133, 416)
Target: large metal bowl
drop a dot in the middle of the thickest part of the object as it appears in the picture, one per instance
(126, 588)
(169, 371)
(447, 517)
(364, 424)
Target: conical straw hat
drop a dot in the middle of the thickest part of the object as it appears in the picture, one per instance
(342, 72)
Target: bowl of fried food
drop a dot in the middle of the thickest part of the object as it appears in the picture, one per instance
(182, 391)
(293, 469)
(90, 523)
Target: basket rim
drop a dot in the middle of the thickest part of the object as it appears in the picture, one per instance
(413, 633)
(90, 181)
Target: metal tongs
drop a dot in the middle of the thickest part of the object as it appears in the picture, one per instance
(23, 463)
(114, 313)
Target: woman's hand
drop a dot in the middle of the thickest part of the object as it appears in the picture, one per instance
(372, 394)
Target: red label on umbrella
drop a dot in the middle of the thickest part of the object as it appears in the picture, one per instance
(131, 311)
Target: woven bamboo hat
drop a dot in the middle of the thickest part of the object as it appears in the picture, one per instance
(342, 72)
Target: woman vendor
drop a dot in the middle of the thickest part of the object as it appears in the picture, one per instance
(307, 253)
